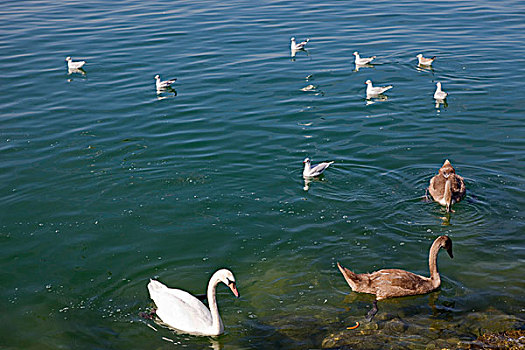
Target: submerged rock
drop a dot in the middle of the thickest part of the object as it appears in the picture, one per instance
(395, 326)
(511, 340)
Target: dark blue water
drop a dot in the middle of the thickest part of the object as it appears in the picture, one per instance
(106, 184)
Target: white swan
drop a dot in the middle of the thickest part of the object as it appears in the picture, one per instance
(184, 312)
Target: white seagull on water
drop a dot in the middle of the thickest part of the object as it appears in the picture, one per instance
(74, 65)
(294, 46)
(362, 60)
(163, 85)
(440, 94)
(423, 61)
(374, 91)
(316, 170)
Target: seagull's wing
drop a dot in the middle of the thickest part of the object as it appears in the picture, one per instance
(385, 88)
(319, 168)
(78, 64)
(166, 83)
(302, 44)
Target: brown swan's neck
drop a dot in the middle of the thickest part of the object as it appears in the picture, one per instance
(432, 264)
(448, 192)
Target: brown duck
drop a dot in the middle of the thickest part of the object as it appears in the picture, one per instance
(447, 187)
(391, 283)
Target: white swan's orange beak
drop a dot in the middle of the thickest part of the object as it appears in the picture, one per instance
(233, 287)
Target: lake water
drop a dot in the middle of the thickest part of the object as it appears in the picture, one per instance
(106, 184)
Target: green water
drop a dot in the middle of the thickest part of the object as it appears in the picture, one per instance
(105, 184)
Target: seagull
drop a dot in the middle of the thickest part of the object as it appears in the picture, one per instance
(425, 61)
(294, 46)
(440, 94)
(362, 60)
(374, 91)
(163, 85)
(74, 65)
(308, 88)
(317, 170)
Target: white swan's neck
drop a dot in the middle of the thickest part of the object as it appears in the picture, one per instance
(432, 264)
(217, 325)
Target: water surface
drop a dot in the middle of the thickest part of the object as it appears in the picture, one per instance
(105, 184)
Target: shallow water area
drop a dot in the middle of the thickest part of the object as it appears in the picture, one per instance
(106, 184)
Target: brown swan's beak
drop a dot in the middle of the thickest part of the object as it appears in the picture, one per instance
(449, 251)
(233, 287)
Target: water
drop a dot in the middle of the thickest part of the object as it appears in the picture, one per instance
(105, 185)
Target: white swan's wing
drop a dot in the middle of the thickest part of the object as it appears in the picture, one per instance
(179, 309)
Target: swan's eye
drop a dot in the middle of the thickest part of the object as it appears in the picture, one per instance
(229, 281)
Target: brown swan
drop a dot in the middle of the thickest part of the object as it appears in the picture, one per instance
(447, 187)
(391, 283)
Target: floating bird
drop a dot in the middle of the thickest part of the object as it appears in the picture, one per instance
(71, 65)
(362, 60)
(184, 312)
(391, 283)
(425, 61)
(439, 94)
(374, 91)
(447, 187)
(163, 85)
(308, 88)
(294, 46)
(317, 170)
